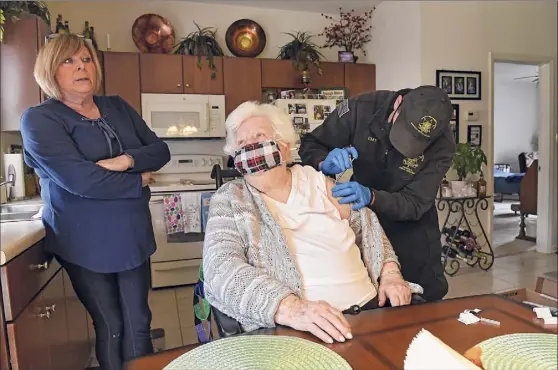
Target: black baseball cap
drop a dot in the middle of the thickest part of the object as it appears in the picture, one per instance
(424, 115)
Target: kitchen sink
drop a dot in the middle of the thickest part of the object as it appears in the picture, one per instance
(14, 217)
(18, 212)
(20, 208)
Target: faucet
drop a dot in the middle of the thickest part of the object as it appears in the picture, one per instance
(11, 176)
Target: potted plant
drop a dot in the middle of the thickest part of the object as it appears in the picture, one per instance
(201, 43)
(15, 9)
(302, 51)
(350, 32)
(466, 160)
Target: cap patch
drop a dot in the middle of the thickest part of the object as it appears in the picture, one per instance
(343, 108)
(425, 125)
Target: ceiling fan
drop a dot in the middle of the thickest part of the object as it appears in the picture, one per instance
(535, 78)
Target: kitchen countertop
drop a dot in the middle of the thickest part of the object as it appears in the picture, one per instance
(17, 237)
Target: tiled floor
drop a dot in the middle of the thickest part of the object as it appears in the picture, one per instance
(515, 271)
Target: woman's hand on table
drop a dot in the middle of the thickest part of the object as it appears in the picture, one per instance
(318, 318)
(394, 288)
(117, 164)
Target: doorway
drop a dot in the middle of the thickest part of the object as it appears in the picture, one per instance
(535, 79)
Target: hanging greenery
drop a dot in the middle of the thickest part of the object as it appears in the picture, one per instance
(202, 42)
(302, 51)
(13, 10)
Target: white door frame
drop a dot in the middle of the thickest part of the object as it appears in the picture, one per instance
(547, 190)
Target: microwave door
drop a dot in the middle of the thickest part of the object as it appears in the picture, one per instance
(178, 120)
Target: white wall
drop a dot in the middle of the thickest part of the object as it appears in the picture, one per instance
(396, 45)
(459, 35)
(117, 18)
(516, 119)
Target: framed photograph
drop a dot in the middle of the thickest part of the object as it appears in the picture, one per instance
(337, 93)
(300, 108)
(346, 56)
(288, 94)
(460, 85)
(474, 135)
(454, 122)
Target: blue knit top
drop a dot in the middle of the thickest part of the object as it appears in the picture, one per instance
(94, 218)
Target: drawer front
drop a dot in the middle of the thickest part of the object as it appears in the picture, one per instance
(175, 273)
(24, 276)
(29, 344)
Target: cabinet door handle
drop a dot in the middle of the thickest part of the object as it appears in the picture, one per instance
(177, 85)
(187, 85)
(40, 266)
(45, 315)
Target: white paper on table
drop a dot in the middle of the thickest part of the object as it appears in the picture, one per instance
(427, 352)
(191, 208)
(542, 312)
(468, 318)
(551, 320)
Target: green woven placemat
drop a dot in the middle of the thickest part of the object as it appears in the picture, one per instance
(260, 352)
(523, 351)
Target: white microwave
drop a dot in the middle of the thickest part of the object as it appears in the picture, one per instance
(181, 116)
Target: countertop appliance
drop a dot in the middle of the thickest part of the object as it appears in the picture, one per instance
(178, 257)
(184, 116)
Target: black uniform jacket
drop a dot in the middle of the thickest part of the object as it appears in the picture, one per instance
(405, 188)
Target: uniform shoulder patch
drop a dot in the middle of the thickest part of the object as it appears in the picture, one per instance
(343, 108)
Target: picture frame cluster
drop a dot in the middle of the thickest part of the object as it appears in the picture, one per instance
(460, 85)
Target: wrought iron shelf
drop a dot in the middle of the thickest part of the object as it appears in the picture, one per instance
(467, 212)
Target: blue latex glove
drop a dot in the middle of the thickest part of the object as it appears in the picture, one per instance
(338, 160)
(352, 192)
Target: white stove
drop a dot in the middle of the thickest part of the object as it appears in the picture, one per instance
(178, 257)
(186, 172)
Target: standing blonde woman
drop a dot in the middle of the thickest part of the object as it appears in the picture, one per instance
(94, 156)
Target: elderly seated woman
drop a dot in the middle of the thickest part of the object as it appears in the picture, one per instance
(280, 250)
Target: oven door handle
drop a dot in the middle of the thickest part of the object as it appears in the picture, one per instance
(175, 265)
(158, 198)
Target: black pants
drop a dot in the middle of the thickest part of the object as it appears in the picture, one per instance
(118, 304)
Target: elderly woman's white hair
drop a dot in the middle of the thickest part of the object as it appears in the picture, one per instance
(280, 122)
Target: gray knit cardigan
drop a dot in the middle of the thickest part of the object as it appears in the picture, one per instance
(248, 268)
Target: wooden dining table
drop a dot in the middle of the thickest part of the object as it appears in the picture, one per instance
(381, 337)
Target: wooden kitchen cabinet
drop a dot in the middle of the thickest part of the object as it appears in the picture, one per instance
(4, 356)
(359, 78)
(179, 74)
(278, 73)
(333, 76)
(161, 73)
(122, 77)
(45, 324)
(18, 51)
(198, 80)
(242, 81)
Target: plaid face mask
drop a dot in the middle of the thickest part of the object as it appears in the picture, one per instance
(257, 157)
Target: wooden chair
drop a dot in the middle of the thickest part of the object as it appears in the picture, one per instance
(528, 198)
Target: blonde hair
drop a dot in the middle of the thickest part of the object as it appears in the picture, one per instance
(279, 120)
(53, 54)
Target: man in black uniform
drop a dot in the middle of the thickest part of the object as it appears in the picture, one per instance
(401, 146)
